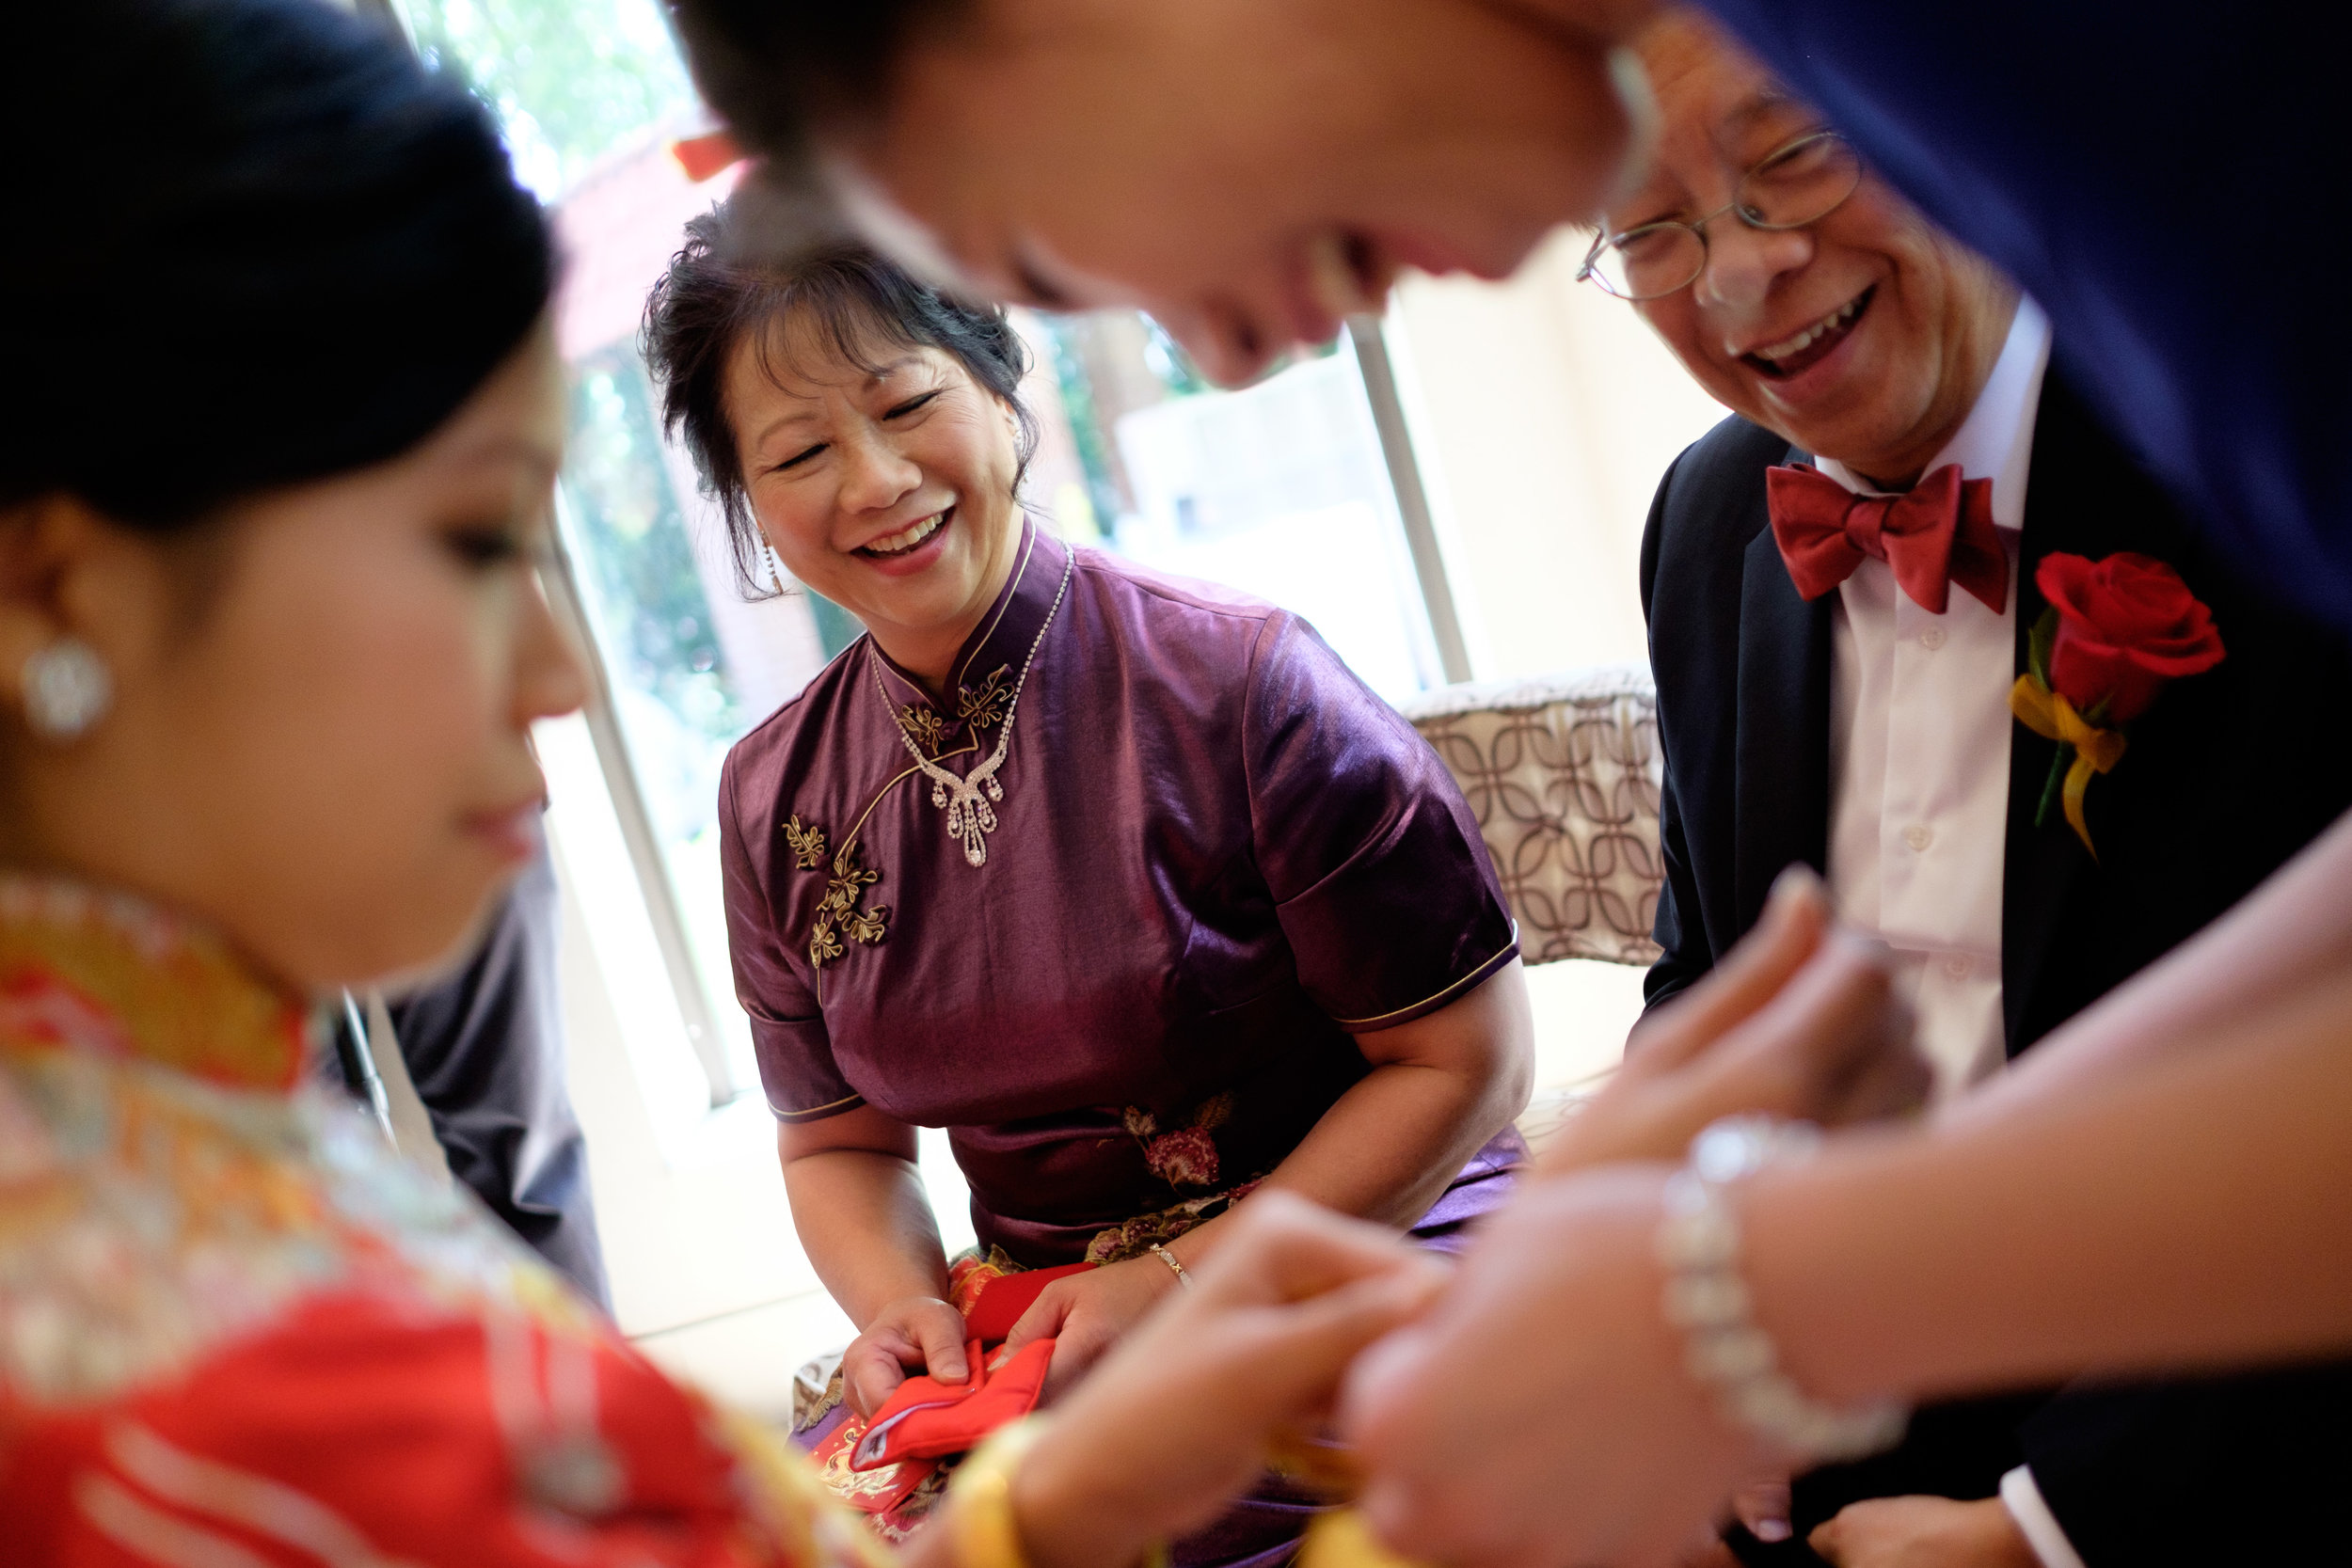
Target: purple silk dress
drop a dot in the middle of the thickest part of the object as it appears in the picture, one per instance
(1217, 859)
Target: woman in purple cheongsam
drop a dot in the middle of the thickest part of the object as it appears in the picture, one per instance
(1125, 881)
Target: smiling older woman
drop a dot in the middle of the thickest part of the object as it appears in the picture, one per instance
(1125, 880)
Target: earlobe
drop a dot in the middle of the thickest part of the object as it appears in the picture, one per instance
(50, 548)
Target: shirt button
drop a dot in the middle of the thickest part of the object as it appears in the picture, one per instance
(1918, 835)
(1957, 966)
(1931, 638)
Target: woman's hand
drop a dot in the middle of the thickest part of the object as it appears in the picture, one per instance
(1085, 1314)
(914, 1334)
(858, 1202)
(1540, 1415)
(1177, 1421)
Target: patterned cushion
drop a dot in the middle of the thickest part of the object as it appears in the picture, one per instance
(1564, 775)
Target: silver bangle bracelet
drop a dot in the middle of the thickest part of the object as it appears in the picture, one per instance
(1707, 1301)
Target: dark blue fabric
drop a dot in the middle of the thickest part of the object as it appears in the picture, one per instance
(484, 1048)
(2170, 181)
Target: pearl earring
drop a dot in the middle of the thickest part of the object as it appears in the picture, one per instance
(68, 689)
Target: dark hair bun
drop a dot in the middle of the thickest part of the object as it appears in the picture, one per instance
(251, 243)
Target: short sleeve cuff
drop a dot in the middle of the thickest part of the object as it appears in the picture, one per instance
(2035, 1522)
(817, 1112)
(797, 1071)
(1438, 999)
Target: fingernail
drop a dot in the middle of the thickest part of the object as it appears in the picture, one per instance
(1771, 1530)
(1795, 878)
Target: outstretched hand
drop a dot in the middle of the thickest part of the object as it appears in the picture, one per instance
(1540, 1415)
(1548, 1358)
(1179, 1418)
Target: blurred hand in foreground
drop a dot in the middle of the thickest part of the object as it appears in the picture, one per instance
(1178, 1420)
(1540, 1414)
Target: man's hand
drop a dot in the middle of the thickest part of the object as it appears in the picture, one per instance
(1924, 1533)
(1798, 1020)
(1085, 1314)
(914, 1334)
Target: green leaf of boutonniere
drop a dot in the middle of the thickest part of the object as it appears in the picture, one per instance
(2037, 645)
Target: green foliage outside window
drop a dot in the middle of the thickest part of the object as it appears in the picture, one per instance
(571, 80)
(634, 546)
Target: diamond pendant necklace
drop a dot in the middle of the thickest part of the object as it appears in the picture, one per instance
(970, 817)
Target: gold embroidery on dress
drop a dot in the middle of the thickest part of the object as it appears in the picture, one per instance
(984, 709)
(928, 728)
(807, 844)
(838, 914)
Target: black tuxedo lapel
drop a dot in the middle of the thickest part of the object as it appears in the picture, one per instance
(2041, 863)
(1782, 767)
(2085, 497)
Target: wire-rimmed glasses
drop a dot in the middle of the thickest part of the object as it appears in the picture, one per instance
(1799, 183)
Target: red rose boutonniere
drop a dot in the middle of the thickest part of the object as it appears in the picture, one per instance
(2117, 632)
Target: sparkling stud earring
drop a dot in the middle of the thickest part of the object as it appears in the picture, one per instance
(67, 689)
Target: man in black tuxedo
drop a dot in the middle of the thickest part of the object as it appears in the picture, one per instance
(1842, 585)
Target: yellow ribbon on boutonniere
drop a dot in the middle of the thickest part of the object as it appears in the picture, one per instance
(2116, 633)
(2048, 713)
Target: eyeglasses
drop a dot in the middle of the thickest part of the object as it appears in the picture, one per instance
(1798, 184)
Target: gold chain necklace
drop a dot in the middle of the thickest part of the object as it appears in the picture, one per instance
(970, 817)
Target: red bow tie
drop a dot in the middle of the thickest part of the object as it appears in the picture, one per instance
(1939, 533)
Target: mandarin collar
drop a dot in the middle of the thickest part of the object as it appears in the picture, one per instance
(102, 972)
(989, 665)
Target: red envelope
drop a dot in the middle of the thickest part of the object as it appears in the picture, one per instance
(927, 1419)
(876, 1491)
(1003, 1300)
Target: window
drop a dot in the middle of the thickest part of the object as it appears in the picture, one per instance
(1282, 490)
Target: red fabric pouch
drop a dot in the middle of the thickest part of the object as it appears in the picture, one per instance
(927, 1419)
(1003, 1300)
(875, 1491)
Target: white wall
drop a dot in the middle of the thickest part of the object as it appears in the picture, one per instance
(1544, 413)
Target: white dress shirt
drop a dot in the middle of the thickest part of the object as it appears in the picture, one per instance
(1918, 743)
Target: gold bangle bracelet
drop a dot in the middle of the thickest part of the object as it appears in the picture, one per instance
(986, 1534)
(1168, 1258)
(1338, 1538)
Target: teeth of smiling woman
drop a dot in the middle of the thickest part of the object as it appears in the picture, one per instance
(1805, 339)
(905, 540)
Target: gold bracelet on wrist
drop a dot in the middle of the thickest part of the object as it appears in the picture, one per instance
(1338, 1538)
(984, 1530)
(980, 1514)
